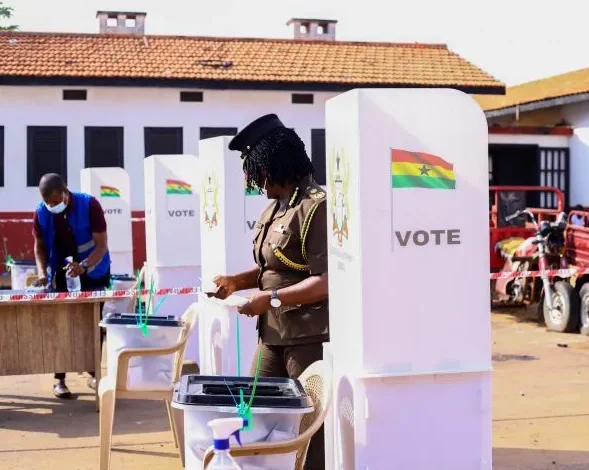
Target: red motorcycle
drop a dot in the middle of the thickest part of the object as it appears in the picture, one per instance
(559, 303)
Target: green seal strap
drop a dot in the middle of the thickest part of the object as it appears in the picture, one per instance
(9, 261)
(244, 410)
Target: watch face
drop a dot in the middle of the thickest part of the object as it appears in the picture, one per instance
(275, 303)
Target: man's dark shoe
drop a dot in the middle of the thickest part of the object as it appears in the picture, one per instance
(60, 390)
(92, 383)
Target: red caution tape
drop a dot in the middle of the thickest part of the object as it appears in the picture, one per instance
(550, 273)
(30, 221)
(33, 296)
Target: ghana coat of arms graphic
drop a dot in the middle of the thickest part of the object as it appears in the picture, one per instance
(339, 177)
(210, 205)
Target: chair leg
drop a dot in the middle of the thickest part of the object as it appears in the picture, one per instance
(107, 415)
(172, 423)
(178, 419)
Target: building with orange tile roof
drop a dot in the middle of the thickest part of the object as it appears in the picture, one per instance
(546, 123)
(69, 101)
(124, 55)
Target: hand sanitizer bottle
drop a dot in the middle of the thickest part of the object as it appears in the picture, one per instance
(223, 429)
(73, 283)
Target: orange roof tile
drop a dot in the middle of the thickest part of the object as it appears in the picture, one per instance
(566, 84)
(93, 56)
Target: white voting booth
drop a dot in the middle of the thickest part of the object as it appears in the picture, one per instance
(172, 231)
(408, 281)
(112, 189)
(227, 220)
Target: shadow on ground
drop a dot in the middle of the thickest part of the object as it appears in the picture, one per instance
(78, 417)
(539, 459)
(527, 314)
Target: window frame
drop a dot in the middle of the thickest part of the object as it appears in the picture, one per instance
(61, 133)
(120, 138)
(320, 170)
(218, 132)
(151, 131)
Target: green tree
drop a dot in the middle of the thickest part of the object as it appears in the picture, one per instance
(6, 13)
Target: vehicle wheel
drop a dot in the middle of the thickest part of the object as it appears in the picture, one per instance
(584, 309)
(564, 316)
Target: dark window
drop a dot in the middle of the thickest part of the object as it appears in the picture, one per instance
(302, 98)
(191, 96)
(163, 141)
(1, 156)
(75, 95)
(104, 147)
(210, 132)
(318, 154)
(516, 165)
(490, 170)
(46, 152)
(554, 171)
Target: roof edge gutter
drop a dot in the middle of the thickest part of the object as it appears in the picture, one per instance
(224, 84)
(543, 104)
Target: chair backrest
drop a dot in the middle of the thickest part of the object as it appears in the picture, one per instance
(190, 319)
(317, 381)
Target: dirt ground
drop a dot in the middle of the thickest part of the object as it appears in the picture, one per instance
(540, 413)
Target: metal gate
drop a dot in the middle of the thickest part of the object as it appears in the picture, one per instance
(554, 171)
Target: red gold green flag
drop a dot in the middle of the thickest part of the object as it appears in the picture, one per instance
(109, 191)
(178, 187)
(420, 170)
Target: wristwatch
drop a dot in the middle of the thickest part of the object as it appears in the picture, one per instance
(84, 264)
(274, 300)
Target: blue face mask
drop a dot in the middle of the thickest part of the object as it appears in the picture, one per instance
(58, 209)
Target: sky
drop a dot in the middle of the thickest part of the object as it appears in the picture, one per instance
(513, 40)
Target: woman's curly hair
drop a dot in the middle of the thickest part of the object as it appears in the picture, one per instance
(281, 154)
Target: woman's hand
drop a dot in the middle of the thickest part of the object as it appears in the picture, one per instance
(226, 285)
(258, 304)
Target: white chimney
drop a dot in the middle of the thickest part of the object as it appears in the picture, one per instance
(121, 22)
(313, 29)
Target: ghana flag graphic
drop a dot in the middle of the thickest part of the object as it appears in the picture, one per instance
(178, 187)
(109, 191)
(420, 170)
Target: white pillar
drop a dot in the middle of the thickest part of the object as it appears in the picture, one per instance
(172, 231)
(111, 187)
(228, 217)
(408, 281)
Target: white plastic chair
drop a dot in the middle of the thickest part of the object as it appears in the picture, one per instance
(112, 388)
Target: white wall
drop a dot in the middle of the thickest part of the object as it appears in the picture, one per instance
(133, 109)
(578, 116)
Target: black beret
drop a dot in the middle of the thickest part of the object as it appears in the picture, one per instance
(254, 131)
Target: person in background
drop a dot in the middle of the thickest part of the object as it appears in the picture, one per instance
(290, 252)
(578, 219)
(69, 224)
